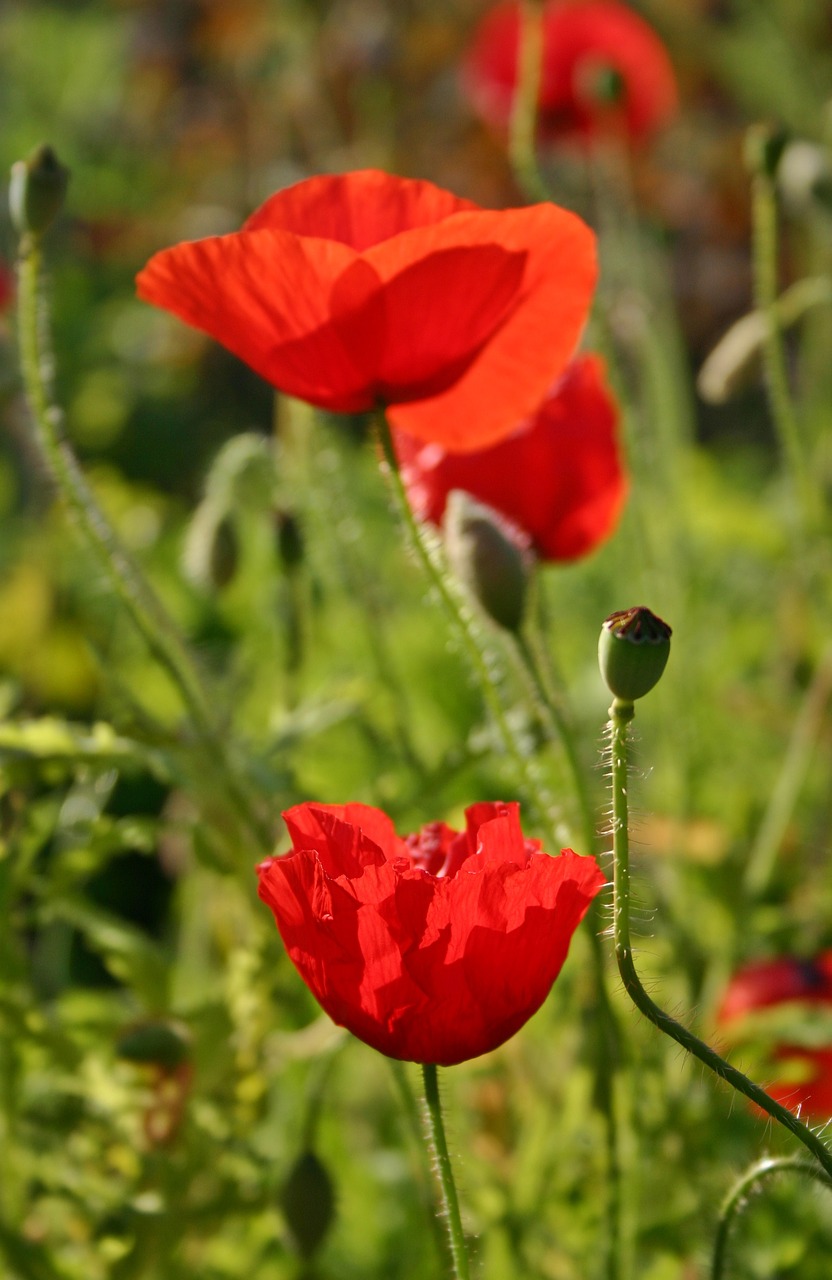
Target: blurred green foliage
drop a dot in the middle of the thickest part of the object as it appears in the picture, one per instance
(129, 920)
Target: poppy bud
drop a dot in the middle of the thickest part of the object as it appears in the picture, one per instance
(308, 1203)
(490, 556)
(36, 191)
(764, 147)
(212, 551)
(633, 652)
(160, 1044)
(289, 540)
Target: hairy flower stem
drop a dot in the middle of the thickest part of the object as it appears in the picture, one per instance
(444, 1172)
(523, 124)
(556, 724)
(621, 713)
(124, 577)
(764, 224)
(466, 630)
(737, 1198)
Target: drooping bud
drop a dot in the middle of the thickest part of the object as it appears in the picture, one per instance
(36, 191)
(154, 1043)
(632, 652)
(490, 556)
(212, 552)
(308, 1202)
(290, 547)
(764, 147)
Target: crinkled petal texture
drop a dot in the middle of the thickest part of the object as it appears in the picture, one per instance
(367, 289)
(560, 477)
(433, 949)
(584, 42)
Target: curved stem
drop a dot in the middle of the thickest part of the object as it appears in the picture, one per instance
(124, 577)
(444, 1172)
(621, 713)
(523, 124)
(737, 1198)
(764, 218)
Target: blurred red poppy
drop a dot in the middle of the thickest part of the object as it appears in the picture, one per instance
(7, 287)
(368, 289)
(604, 70)
(560, 477)
(804, 1071)
(435, 948)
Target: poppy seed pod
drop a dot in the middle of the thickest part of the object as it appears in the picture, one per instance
(632, 652)
(36, 191)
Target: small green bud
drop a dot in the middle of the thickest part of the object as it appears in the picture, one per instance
(161, 1044)
(764, 147)
(36, 191)
(490, 556)
(212, 550)
(290, 546)
(308, 1203)
(633, 652)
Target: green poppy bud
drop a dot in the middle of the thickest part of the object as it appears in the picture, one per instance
(290, 546)
(160, 1044)
(308, 1203)
(764, 147)
(490, 556)
(633, 652)
(36, 191)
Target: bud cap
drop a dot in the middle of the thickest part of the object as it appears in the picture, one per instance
(36, 191)
(632, 652)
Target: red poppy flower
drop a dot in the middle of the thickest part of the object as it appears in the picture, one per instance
(807, 1086)
(435, 948)
(560, 477)
(771, 982)
(804, 1072)
(603, 70)
(368, 289)
(7, 283)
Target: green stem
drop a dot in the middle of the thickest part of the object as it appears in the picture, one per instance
(764, 217)
(444, 1172)
(482, 662)
(737, 1198)
(805, 734)
(523, 123)
(124, 577)
(621, 713)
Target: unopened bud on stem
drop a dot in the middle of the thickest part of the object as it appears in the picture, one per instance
(36, 191)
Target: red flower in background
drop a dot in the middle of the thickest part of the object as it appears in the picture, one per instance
(435, 948)
(804, 985)
(604, 70)
(368, 289)
(560, 477)
(7, 286)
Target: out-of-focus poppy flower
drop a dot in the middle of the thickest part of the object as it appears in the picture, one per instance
(368, 289)
(559, 477)
(603, 70)
(771, 982)
(780, 988)
(7, 283)
(435, 948)
(807, 1083)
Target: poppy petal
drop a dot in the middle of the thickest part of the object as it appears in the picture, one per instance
(530, 348)
(359, 209)
(279, 302)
